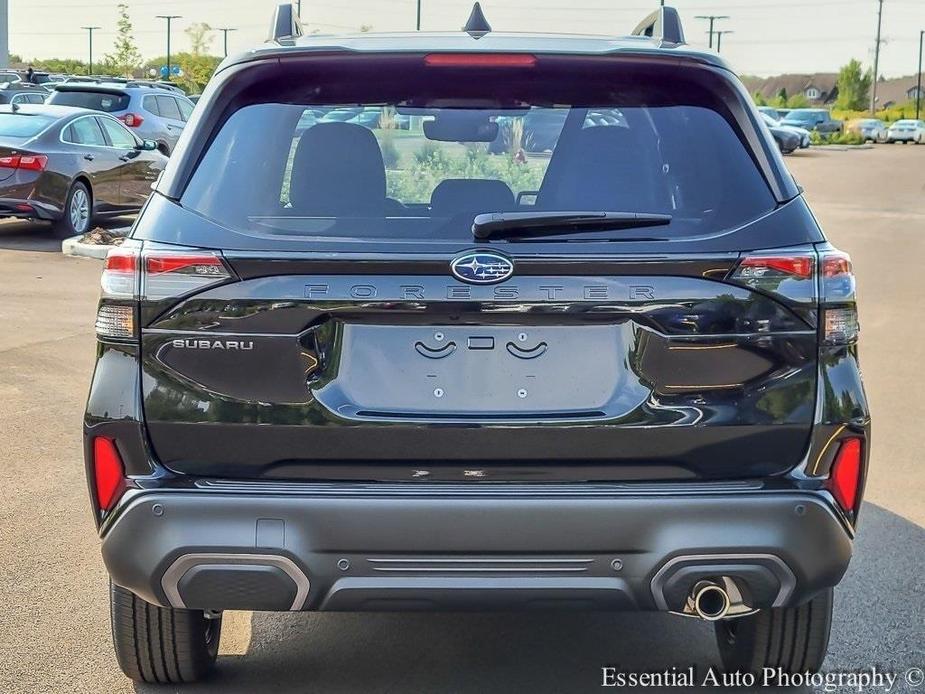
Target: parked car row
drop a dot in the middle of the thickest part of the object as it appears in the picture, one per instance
(152, 112)
(789, 138)
(875, 130)
(70, 165)
(75, 148)
(871, 129)
(368, 117)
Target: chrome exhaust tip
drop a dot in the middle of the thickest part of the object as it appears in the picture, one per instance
(711, 601)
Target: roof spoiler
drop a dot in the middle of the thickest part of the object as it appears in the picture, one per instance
(286, 27)
(664, 24)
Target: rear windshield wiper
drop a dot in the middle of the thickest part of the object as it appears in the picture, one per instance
(499, 225)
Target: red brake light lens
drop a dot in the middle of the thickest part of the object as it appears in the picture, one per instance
(174, 273)
(132, 120)
(121, 260)
(758, 266)
(108, 473)
(27, 162)
(118, 279)
(836, 263)
(845, 478)
(480, 60)
(171, 263)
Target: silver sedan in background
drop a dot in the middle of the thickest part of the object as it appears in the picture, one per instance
(872, 129)
(907, 130)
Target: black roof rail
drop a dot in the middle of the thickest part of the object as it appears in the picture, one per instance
(286, 27)
(663, 24)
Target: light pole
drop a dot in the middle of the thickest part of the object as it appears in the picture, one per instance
(169, 18)
(711, 18)
(90, 31)
(873, 91)
(719, 38)
(918, 86)
(225, 31)
(419, 16)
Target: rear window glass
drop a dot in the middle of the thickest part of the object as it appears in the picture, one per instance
(85, 131)
(22, 125)
(97, 101)
(424, 165)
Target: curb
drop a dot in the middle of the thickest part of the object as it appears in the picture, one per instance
(73, 246)
(843, 148)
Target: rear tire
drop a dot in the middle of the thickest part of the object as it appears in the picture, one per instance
(77, 214)
(161, 645)
(794, 639)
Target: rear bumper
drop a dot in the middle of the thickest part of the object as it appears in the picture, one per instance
(374, 547)
(28, 209)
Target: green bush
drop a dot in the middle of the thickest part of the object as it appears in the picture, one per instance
(391, 157)
(428, 150)
(846, 138)
(434, 164)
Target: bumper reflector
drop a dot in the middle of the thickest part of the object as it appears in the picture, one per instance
(845, 480)
(108, 473)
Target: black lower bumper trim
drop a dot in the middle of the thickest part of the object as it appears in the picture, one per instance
(404, 553)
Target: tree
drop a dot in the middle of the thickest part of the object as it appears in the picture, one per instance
(759, 99)
(853, 87)
(125, 57)
(782, 95)
(200, 38)
(797, 101)
(67, 66)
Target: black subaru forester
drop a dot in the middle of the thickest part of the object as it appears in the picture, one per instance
(476, 321)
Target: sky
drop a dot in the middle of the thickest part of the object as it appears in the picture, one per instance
(769, 36)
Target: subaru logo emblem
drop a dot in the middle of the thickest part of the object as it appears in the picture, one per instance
(480, 267)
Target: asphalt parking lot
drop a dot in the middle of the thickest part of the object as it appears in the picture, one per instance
(54, 625)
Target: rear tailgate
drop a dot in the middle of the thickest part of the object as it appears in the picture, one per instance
(341, 346)
(402, 375)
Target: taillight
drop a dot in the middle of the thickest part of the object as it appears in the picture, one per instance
(789, 275)
(155, 275)
(761, 268)
(480, 60)
(26, 162)
(845, 478)
(837, 297)
(108, 473)
(119, 273)
(169, 274)
(115, 317)
(132, 120)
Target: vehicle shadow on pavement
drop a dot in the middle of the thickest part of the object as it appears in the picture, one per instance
(38, 236)
(564, 652)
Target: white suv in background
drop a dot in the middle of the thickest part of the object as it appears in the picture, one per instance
(152, 112)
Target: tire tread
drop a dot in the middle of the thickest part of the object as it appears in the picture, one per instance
(794, 639)
(160, 645)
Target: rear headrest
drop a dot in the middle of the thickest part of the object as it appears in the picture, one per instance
(603, 168)
(470, 195)
(338, 171)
